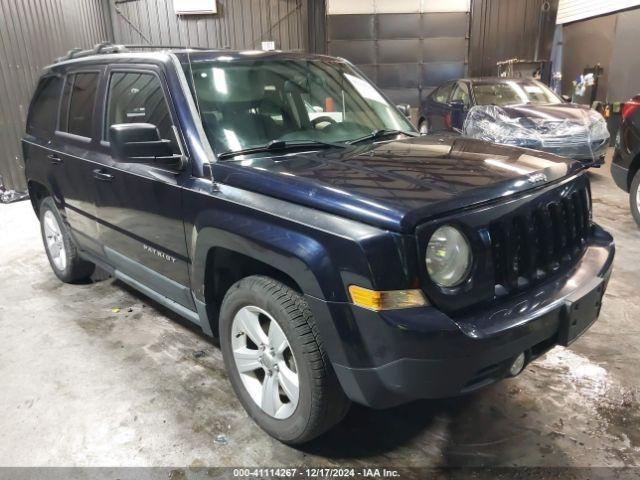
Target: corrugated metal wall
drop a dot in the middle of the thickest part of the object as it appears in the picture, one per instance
(504, 29)
(317, 26)
(32, 34)
(239, 24)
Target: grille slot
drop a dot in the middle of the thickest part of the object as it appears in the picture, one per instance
(531, 245)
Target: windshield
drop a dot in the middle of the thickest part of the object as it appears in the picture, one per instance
(511, 92)
(250, 103)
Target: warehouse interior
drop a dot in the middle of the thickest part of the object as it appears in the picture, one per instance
(101, 373)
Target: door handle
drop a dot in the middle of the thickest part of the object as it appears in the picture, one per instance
(102, 175)
(56, 160)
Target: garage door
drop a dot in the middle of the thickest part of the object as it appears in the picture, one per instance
(407, 47)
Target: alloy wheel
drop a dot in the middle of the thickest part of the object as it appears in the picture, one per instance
(265, 362)
(54, 241)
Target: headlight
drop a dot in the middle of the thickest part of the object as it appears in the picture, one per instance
(448, 256)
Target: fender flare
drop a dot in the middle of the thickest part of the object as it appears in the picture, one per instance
(300, 259)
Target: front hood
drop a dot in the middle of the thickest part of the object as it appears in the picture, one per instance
(396, 185)
(549, 111)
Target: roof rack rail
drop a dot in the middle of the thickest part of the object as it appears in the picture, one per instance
(108, 47)
(156, 47)
(104, 47)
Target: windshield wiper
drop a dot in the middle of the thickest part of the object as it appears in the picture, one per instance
(279, 145)
(385, 132)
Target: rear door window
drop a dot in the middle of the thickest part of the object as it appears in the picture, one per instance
(43, 113)
(80, 91)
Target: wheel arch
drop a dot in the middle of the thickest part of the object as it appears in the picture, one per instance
(633, 169)
(224, 267)
(221, 258)
(37, 192)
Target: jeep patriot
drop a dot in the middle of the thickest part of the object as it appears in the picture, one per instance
(280, 202)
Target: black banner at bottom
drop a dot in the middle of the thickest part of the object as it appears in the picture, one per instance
(306, 473)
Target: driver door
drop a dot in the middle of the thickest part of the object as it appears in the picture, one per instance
(139, 205)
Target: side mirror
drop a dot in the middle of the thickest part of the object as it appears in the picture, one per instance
(405, 109)
(566, 98)
(141, 143)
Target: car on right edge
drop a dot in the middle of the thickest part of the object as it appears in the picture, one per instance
(625, 167)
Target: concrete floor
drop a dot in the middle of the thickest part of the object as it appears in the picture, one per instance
(83, 383)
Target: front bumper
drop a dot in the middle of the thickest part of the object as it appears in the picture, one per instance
(388, 358)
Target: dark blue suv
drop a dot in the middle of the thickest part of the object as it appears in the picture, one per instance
(280, 202)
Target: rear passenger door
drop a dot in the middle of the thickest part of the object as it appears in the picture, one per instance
(73, 149)
(139, 205)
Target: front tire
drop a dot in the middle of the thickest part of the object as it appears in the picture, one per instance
(634, 197)
(276, 362)
(61, 251)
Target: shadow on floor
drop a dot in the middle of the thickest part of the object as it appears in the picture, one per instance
(370, 433)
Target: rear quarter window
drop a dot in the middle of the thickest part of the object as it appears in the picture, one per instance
(43, 112)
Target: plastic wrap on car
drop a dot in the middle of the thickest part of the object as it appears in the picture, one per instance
(583, 138)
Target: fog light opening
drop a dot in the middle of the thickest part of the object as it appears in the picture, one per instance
(518, 365)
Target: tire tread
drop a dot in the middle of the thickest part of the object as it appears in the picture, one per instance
(329, 403)
(633, 195)
(77, 269)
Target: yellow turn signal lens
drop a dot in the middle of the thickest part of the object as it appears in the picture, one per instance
(389, 300)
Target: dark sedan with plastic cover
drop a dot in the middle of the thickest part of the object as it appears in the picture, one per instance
(518, 112)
